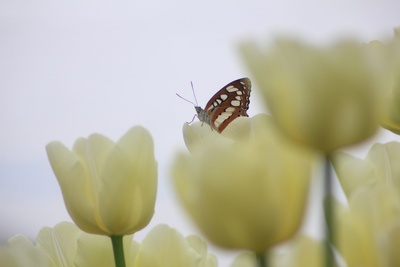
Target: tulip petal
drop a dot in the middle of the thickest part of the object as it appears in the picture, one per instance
(352, 172)
(322, 98)
(20, 252)
(164, 246)
(108, 188)
(353, 238)
(200, 246)
(130, 165)
(59, 243)
(77, 190)
(389, 243)
(385, 157)
(199, 134)
(232, 192)
(95, 250)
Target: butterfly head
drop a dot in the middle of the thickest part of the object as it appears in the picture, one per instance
(202, 114)
(198, 109)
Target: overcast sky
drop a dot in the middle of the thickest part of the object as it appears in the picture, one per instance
(72, 68)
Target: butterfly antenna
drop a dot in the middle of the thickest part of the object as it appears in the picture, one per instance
(194, 94)
(187, 100)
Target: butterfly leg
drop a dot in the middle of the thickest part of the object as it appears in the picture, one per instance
(195, 115)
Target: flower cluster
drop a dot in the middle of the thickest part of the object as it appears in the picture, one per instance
(247, 188)
(67, 245)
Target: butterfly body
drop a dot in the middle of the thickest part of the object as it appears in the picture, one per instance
(202, 115)
(229, 103)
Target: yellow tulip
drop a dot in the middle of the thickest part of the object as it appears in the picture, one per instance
(321, 98)
(59, 243)
(96, 250)
(198, 134)
(391, 50)
(367, 232)
(21, 252)
(390, 243)
(165, 246)
(249, 194)
(379, 167)
(108, 188)
(301, 251)
(64, 245)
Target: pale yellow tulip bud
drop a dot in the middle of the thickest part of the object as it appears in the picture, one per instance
(108, 188)
(321, 98)
(380, 167)
(165, 246)
(391, 51)
(21, 252)
(248, 194)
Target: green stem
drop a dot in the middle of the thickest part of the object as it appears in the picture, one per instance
(262, 260)
(118, 248)
(329, 214)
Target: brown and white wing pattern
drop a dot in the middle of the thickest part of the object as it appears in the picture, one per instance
(227, 104)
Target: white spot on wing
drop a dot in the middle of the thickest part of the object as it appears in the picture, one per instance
(223, 97)
(231, 89)
(222, 117)
(235, 103)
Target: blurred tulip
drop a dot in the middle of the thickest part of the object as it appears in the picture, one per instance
(367, 231)
(257, 127)
(165, 246)
(379, 167)
(21, 252)
(250, 194)
(321, 98)
(391, 52)
(108, 188)
(301, 251)
(96, 250)
(59, 243)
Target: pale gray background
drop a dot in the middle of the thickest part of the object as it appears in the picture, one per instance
(71, 68)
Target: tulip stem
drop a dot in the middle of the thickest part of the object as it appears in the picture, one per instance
(262, 260)
(118, 248)
(329, 213)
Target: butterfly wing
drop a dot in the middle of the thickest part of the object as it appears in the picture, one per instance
(227, 104)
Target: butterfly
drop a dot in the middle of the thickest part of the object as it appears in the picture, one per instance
(229, 103)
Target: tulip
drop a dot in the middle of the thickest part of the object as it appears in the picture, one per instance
(391, 50)
(197, 135)
(64, 245)
(243, 128)
(108, 188)
(368, 231)
(96, 250)
(165, 246)
(301, 251)
(21, 252)
(59, 243)
(321, 98)
(389, 244)
(379, 167)
(250, 194)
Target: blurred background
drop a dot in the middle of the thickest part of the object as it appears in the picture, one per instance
(72, 68)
